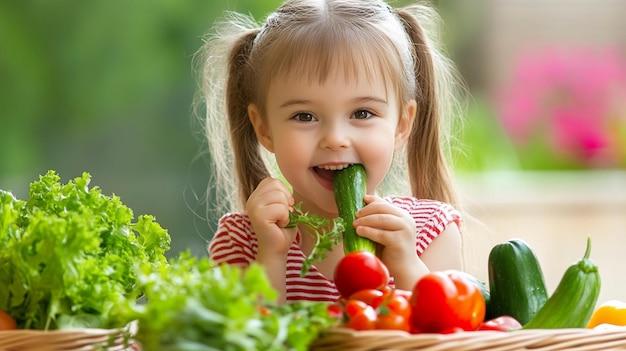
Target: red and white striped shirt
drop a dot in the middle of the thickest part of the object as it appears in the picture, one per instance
(235, 243)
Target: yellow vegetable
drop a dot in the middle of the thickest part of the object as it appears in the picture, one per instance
(611, 312)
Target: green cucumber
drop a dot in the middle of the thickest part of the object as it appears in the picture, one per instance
(573, 300)
(516, 282)
(350, 187)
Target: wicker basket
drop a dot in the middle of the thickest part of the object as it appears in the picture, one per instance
(87, 339)
(538, 340)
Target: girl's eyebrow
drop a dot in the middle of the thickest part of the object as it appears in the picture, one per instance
(364, 99)
(295, 102)
(360, 99)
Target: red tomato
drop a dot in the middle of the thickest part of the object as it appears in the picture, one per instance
(405, 293)
(396, 302)
(372, 297)
(359, 315)
(393, 321)
(335, 310)
(502, 323)
(6, 321)
(360, 270)
(445, 301)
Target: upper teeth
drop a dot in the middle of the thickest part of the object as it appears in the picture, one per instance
(335, 167)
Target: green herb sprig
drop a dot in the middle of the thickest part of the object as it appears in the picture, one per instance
(326, 235)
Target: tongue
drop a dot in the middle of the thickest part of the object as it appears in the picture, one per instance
(324, 173)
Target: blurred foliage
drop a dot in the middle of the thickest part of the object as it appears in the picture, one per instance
(106, 87)
(482, 144)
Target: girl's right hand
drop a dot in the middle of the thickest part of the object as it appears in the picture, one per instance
(268, 208)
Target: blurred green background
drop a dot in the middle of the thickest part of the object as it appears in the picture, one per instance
(106, 87)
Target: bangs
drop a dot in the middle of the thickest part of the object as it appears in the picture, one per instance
(319, 52)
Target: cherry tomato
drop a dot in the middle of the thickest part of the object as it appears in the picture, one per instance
(335, 310)
(405, 293)
(6, 321)
(395, 302)
(393, 321)
(359, 315)
(360, 270)
(372, 297)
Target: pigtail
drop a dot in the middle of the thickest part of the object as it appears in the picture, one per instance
(429, 174)
(248, 158)
(224, 91)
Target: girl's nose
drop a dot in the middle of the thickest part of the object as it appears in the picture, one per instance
(335, 137)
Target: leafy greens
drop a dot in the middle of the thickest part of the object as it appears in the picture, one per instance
(73, 257)
(193, 304)
(67, 254)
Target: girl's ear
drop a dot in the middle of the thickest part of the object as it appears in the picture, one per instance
(403, 130)
(260, 127)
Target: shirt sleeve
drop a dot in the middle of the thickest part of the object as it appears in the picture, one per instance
(431, 218)
(234, 241)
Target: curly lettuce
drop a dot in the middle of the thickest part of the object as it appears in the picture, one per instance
(68, 254)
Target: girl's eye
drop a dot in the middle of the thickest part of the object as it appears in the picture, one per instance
(362, 114)
(304, 117)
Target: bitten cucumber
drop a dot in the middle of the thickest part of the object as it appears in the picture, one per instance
(573, 300)
(516, 283)
(350, 186)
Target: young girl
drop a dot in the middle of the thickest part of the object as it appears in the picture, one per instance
(320, 85)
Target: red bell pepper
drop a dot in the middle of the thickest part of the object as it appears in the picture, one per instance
(445, 301)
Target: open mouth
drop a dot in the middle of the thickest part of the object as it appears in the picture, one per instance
(327, 172)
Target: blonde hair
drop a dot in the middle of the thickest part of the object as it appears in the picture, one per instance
(308, 37)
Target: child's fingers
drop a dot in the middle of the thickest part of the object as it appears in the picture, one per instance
(383, 221)
(386, 238)
(273, 185)
(377, 205)
(270, 191)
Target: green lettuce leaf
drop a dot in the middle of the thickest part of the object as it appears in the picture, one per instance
(67, 254)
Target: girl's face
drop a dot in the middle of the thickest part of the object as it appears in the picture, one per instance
(315, 128)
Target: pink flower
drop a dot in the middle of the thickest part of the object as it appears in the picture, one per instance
(572, 100)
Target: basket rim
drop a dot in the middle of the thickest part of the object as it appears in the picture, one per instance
(525, 339)
(70, 339)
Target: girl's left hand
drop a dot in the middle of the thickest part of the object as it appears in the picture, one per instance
(391, 227)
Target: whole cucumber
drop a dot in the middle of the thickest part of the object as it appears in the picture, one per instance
(516, 284)
(573, 300)
(350, 186)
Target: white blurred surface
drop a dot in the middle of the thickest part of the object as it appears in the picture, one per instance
(554, 213)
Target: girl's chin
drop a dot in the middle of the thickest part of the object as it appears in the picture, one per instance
(321, 204)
